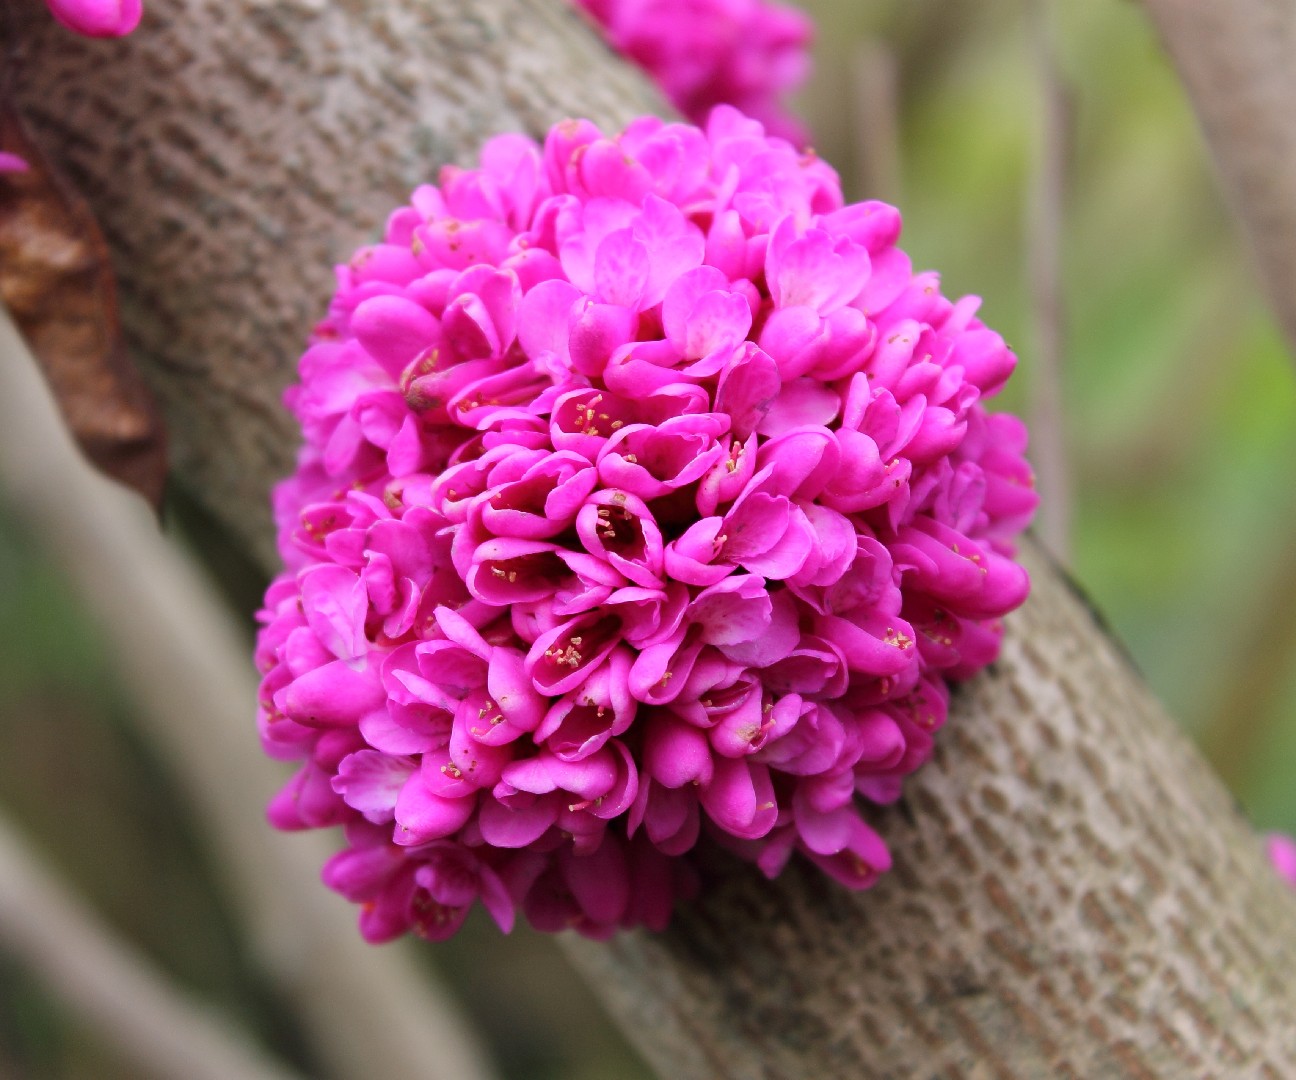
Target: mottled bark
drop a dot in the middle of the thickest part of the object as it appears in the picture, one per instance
(1074, 895)
(1238, 62)
(236, 150)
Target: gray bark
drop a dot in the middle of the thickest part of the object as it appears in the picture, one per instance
(1075, 894)
(236, 151)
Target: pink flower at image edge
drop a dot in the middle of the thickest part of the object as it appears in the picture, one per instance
(704, 53)
(1282, 853)
(646, 493)
(12, 163)
(98, 18)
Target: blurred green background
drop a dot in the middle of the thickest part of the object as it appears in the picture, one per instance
(1180, 427)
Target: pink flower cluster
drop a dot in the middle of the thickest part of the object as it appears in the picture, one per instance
(703, 53)
(1282, 853)
(646, 492)
(98, 18)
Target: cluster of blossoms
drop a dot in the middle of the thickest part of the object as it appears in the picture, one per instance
(646, 491)
(1282, 853)
(703, 53)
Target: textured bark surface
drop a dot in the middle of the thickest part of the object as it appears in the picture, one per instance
(1238, 62)
(1075, 894)
(235, 151)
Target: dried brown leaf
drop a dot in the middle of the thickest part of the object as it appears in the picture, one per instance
(56, 281)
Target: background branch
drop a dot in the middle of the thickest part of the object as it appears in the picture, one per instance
(1238, 62)
(874, 73)
(1046, 216)
(369, 1010)
(123, 997)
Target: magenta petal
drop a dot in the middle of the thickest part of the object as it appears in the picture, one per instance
(681, 299)
(531, 775)
(715, 321)
(307, 801)
(800, 403)
(625, 785)
(335, 694)
(395, 331)
(672, 819)
(496, 900)
(780, 637)
(728, 477)
(423, 816)
(360, 874)
(564, 657)
(478, 762)
(98, 18)
(858, 865)
(814, 270)
(747, 390)
(334, 601)
(511, 690)
(676, 753)
(872, 224)
(734, 611)
(384, 733)
(370, 782)
(509, 826)
(600, 881)
(1282, 853)
(825, 832)
(544, 319)
(621, 268)
(872, 643)
(740, 798)
(833, 547)
(757, 522)
(796, 338)
(590, 778)
(597, 332)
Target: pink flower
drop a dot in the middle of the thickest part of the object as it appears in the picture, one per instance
(12, 163)
(645, 493)
(1282, 853)
(703, 53)
(98, 18)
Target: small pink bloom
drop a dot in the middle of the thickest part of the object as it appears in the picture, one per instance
(1282, 853)
(741, 52)
(98, 18)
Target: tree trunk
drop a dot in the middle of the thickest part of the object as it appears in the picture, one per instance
(1074, 893)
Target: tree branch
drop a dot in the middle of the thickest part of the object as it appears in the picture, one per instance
(113, 989)
(1075, 893)
(1046, 215)
(1238, 62)
(235, 151)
